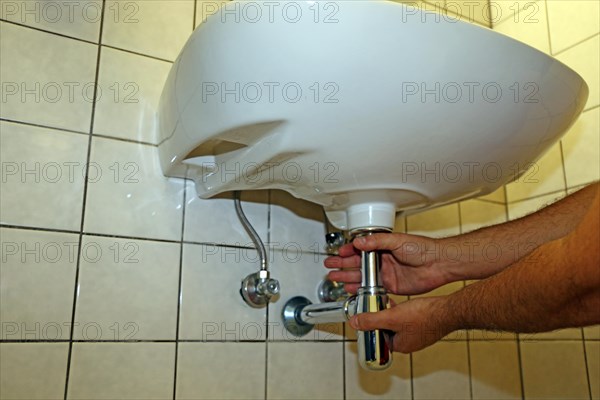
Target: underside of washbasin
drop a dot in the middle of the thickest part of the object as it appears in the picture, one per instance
(364, 107)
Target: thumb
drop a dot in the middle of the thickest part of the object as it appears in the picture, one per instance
(372, 320)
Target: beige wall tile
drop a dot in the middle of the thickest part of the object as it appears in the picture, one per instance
(203, 281)
(79, 19)
(122, 371)
(593, 363)
(581, 150)
(127, 289)
(513, 10)
(438, 222)
(226, 371)
(38, 87)
(585, 60)
(543, 176)
(554, 370)
(299, 274)
(215, 220)
(206, 8)
(497, 196)
(441, 372)
(41, 188)
(33, 370)
(157, 28)
(476, 11)
(475, 214)
(572, 21)
(131, 86)
(297, 370)
(592, 332)
(495, 370)
(569, 333)
(128, 194)
(393, 383)
(526, 207)
(296, 222)
(530, 26)
(38, 282)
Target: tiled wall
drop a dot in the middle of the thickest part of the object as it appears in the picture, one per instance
(125, 285)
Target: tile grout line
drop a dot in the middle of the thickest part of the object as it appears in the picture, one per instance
(344, 362)
(194, 15)
(519, 358)
(575, 44)
(412, 376)
(269, 192)
(468, 344)
(65, 130)
(548, 27)
(86, 41)
(34, 28)
(137, 53)
(179, 288)
(587, 369)
(83, 207)
(146, 239)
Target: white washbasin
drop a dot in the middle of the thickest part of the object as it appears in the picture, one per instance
(367, 136)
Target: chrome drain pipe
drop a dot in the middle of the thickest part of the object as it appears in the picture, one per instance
(374, 347)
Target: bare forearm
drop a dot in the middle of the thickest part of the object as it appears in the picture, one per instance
(556, 286)
(489, 250)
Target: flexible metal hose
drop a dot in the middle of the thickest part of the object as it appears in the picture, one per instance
(260, 246)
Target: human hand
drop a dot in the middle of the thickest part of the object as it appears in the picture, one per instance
(410, 263)
(417, 323)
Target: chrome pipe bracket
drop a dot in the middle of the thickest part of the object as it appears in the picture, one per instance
(290, 314)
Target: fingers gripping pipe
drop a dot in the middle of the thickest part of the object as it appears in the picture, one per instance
(374, 347)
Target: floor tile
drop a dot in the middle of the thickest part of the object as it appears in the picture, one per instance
(441, 372)
(128, 194)
(127, 289)
(227, 371)
(80, 19)
(33, 370)
(38, 87)
(495, 370)
(41, 188)
(122, 371)
(215, 220)
(131, 86)
(296, 371)
(212, 276)
(554, 370)
(37, 277)
(156, 28)
(393, 383)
